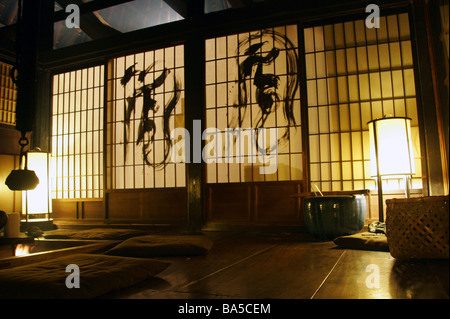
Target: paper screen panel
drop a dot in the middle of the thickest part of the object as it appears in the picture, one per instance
(8, 96)
(77, 133)
(356, 74)
(145, 103)
(236, 101)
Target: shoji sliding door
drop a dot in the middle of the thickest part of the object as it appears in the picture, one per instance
(253, 109)
(77, 144)
(77, 134)
(129, 154)
(355, 74)
(145, 104)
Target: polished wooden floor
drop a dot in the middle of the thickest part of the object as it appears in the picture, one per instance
(291, 266)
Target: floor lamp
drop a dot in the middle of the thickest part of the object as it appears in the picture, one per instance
(37, 203)
(391, 153)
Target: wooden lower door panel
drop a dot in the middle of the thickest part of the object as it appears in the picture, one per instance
(65, 209)
(229, 203)
(253, 204)
(155, 206)
(78, 210)
(275, 205)
(93, 210)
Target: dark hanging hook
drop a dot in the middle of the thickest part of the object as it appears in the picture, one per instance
(23, 142)
(22, 179)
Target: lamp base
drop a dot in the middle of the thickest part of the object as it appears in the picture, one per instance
(43, 225)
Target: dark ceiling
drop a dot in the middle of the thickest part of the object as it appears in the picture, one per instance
(100, 18)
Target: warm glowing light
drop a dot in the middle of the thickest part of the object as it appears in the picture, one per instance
(22, 249)
(391, 145)
(38, 201)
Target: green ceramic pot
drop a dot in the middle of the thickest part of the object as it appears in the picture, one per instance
(329, 217)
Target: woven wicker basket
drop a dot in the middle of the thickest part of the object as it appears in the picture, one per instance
(417, 228)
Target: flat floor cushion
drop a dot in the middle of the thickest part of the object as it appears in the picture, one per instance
(94, 233)
(162, 245)
(363, 241)
(98, 274)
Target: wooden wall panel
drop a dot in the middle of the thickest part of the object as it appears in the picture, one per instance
(73, 210)
(274, 204)
(229, 203)
(93, 210)
(253, 204)
(156, 206)
(65, 209)
(124, 205)
(166, 205)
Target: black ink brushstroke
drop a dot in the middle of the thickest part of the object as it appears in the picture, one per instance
(266, 84)
(129, 73)
(169, 108)
(147, 124)
(142, 74)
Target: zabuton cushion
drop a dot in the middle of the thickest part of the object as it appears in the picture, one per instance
(162, 245)
(98, 275)
(363, 241)
(94, 233)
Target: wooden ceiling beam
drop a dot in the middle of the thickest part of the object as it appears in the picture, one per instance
(180, 6)
(91, 23)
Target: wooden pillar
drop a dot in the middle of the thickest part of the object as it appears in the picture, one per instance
(194, 52)
(439, 66)
(433, 182)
